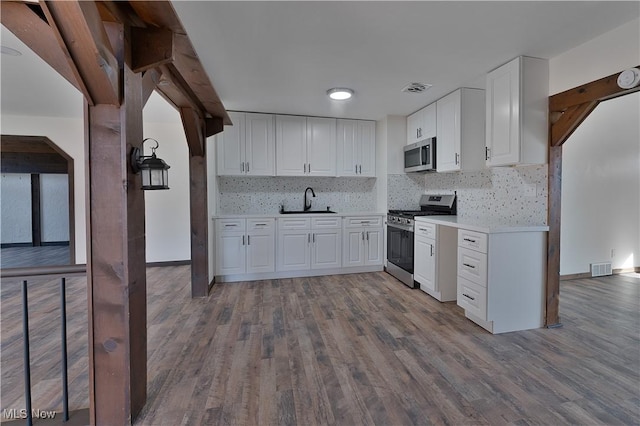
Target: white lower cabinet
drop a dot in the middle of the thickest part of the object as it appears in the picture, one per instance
(245, 246)
(309, 243)
(363, 241)
(501, 278)
(434, 257)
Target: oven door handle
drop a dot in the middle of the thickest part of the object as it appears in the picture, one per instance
(404, 228)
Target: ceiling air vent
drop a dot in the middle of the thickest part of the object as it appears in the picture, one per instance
(416, 87)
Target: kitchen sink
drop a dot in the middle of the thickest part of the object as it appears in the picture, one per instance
(305, 212)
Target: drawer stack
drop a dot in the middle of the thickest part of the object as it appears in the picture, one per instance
(472, 273)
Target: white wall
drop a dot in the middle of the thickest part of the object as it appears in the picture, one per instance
(601, 160)
(15, 204)
(54, 207)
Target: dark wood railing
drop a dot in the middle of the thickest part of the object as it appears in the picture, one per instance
(50, 271)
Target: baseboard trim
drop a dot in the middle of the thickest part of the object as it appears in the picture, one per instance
(583, 275)
(169, 263)
(11, 245)
(54, 243)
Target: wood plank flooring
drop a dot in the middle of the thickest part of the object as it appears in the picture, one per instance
(346, 350)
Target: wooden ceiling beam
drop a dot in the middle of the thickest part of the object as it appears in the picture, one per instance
(213, 126)
(151, 47)
(78, 26)
(194, 130)
(173, 88)
(598, 90)
(569, 122)
(150, 80)
(38, 35)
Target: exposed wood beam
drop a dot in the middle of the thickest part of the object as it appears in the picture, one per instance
(569, 121)
(119, 11)
(176, 91)
(151, 48)
(36, 33)
(78, 26)
(213, 126)
(194, 130)
(150, 80)
(598, 90)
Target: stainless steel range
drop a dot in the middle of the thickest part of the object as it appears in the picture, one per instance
(400, 226)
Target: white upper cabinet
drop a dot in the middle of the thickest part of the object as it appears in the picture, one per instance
(421, 124)
(356, 140)
(460, 131)
(247, 147)
(305, 146)
(516, 113)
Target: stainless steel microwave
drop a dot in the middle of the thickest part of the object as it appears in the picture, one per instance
(420, 156)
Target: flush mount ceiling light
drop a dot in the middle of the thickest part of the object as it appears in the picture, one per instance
(340, 93)
(9, 51)
(416, 87)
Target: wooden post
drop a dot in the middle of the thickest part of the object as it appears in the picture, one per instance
(116, 259)
(199, 225)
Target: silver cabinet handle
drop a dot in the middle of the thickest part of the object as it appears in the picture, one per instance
(243, 240)
(242, 166)
(230, 225)
(486, 152)
(356, 169)
(314, 238)
(431, 249)
(367, 235)
(469, 240)
(247, 167)
(469, 266)
(261, 224)
(309, 167)
(457, 158)
(360, 168)
(248, 240)
(308, 238)
(468, 297)
(362, 235)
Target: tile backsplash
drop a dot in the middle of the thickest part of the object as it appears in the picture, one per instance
(264, 195)
(509, 194)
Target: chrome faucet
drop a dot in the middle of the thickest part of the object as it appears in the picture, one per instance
(307, 204)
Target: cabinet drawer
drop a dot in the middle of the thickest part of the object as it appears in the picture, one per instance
(227, 225)
(260, 224)
(473, 240)
(360, 221)
(472, 298)
(425, 229)
(294, 223)
(472, 266)
(325, 222)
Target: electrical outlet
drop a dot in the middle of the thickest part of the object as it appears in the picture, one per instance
(529, 190)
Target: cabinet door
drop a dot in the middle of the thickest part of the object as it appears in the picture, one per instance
(428, 129)
(366, 144)
(326, 249)
(503, 114)
(230, 250)
(260, 153)
(294, 250)
(291, 146)
(448, 140)
(230, 147)
(260, 252)
(373, 247)
(347, 147)
(353, 245)
(414, 127)
(321, 146)
(424, 270)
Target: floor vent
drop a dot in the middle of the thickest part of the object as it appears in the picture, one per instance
(601, 269)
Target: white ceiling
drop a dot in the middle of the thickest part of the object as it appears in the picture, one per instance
(282, 57)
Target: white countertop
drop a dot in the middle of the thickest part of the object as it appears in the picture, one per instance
(277, 215)
(486, 225)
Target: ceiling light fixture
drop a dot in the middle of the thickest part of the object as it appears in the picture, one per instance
(340, 93)
(9, 51)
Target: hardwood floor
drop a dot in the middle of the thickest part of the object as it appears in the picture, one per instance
(347, 350)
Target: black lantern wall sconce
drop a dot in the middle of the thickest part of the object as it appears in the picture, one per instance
(154, 170)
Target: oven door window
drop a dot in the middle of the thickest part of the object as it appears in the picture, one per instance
(400, 248)
(413, 157)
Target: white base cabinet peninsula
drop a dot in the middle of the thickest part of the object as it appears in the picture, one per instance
(301, 245)
(434, 257)
(501, 272)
